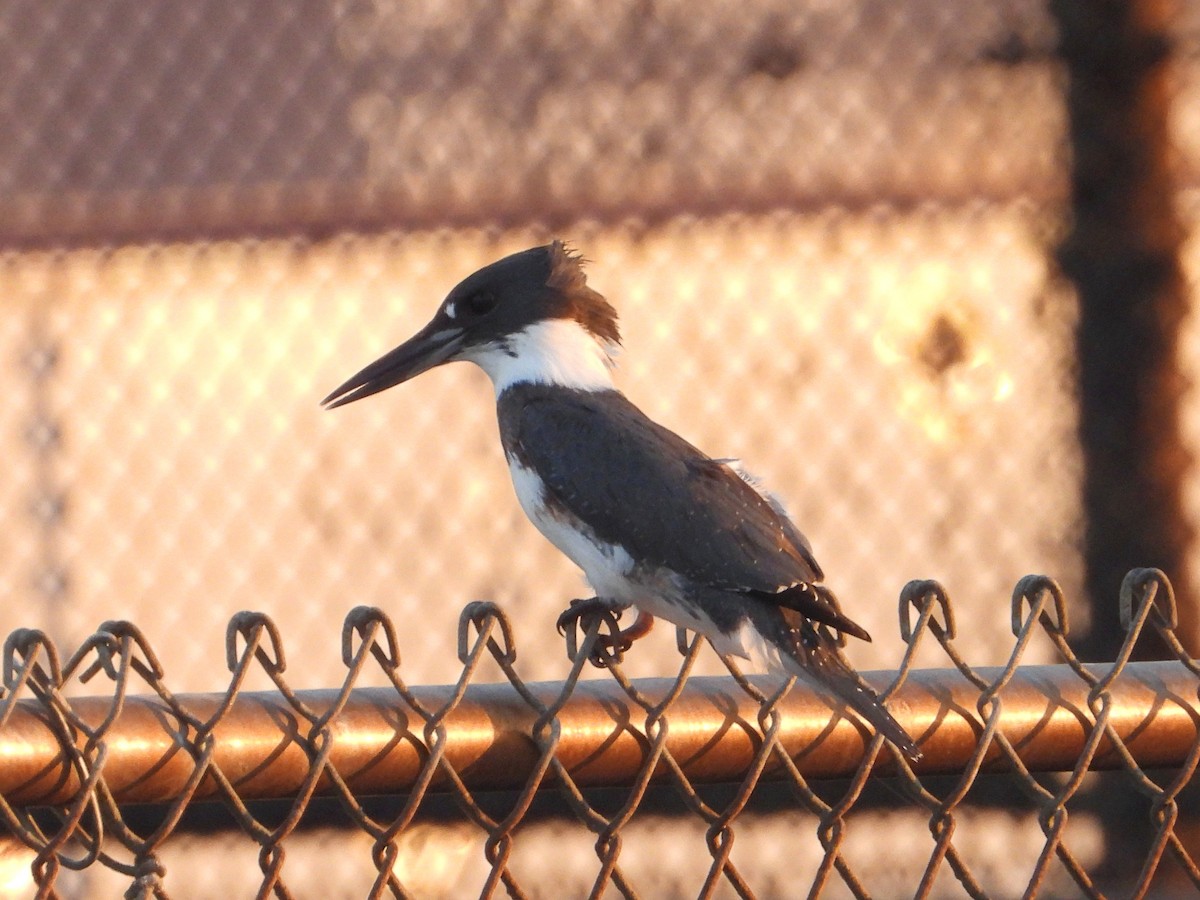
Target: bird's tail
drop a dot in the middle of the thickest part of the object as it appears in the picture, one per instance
(812, 653)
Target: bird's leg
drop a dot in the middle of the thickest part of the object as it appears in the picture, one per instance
(639, 629)
(610, 646)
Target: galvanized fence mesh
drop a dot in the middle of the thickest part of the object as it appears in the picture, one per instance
(81, 771)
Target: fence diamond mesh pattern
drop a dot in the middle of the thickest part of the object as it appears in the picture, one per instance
(229, 114)
(684, 733)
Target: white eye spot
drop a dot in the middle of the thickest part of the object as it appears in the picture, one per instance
(451, 312)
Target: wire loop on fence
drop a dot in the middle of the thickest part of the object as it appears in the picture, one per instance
(86, 759)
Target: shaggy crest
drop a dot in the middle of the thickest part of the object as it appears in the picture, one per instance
(589, 307)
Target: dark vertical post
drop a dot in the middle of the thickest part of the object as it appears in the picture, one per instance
(1122, 253)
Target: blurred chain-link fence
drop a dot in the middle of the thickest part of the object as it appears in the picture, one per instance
(834, 221)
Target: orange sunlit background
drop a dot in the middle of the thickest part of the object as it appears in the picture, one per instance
(829, 229)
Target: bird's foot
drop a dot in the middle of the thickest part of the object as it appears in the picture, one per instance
(612, 641)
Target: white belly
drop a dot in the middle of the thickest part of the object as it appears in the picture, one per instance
(607, 567)
(610, 569)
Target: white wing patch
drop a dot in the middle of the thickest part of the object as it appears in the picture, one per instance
(735, 465)
(794, 533)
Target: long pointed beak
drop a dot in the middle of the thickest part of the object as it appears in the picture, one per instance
(431, 346)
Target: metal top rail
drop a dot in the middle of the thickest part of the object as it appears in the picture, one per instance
(377, 741)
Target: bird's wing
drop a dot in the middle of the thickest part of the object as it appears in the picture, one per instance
(721, 531)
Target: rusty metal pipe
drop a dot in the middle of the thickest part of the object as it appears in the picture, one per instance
(378, 744)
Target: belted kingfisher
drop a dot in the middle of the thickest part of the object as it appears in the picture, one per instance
(653, 522)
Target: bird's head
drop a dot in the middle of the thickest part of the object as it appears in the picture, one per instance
(527, 317)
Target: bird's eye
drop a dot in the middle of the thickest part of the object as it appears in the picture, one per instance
(480, 303)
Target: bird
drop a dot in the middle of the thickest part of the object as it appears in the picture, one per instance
(654, 523)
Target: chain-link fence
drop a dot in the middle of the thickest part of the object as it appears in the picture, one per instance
(152, 120)
(827, 222)
(720, 746)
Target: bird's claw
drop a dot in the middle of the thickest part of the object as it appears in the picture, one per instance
(610, 643)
